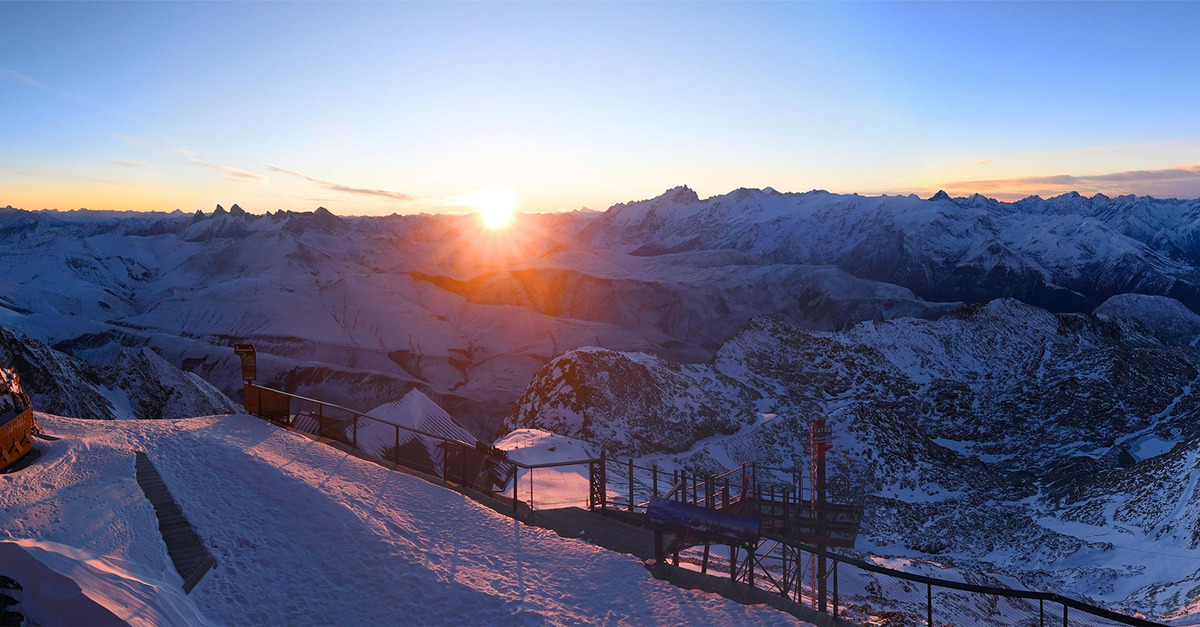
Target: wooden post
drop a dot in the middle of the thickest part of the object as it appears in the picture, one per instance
(704, 562)
(531, 489)
(725, 494)
(462, 452)
(630, 484)
(516, 485)
(654, 477)
(355, 430)
(1041, 613)
(733, 562)
(1064, 616)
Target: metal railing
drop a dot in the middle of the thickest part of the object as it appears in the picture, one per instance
(474, 465)
(853, 588)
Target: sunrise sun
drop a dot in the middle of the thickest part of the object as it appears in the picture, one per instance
(496, 207)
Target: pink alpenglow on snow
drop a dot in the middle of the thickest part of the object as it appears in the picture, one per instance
(304, 533)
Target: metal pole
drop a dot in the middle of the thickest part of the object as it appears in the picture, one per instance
(631, 484)
(654, 477)
(750, 566)
(531, 489)
(603, 481)
(516, 485)
(929, 603)
(835, 590)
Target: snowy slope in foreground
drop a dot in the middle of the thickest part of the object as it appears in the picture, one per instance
(304, 533)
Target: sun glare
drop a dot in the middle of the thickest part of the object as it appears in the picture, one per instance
(496, 207)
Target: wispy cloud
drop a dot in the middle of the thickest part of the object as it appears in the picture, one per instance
(984, 162)
(228, 172)
(338, 187)
(1182, 180)
(136, 142)
(21, 78)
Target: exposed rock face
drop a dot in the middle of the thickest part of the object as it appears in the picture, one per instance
(139, 385)
(12, 395)
(633, 403)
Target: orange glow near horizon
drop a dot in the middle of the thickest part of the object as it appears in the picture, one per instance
(496, 207)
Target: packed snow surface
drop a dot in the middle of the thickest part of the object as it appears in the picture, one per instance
(305, 533)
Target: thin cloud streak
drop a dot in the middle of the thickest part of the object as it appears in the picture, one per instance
(1183, 179)
(338, 187)
(21, 78)
(136, 142)
(232, 174)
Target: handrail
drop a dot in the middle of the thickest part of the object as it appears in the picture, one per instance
(358, 414)
(575, 462)
(959, 585)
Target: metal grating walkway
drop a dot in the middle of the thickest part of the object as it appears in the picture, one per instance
(191, 557)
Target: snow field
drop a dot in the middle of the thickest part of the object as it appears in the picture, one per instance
(304, 533)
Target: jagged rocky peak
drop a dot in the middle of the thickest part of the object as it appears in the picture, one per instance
(681, 194)
(941, 195)
(235, 210)
(199, 215)
(219, 211)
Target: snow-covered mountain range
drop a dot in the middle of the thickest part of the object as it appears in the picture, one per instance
(384, 305)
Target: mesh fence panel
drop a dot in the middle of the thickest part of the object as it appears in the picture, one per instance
(553, 488)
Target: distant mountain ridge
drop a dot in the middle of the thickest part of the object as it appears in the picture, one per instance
(1067, 253)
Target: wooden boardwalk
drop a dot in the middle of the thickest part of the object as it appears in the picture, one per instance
(192, 559)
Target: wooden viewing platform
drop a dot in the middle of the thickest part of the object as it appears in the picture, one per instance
(191, 558)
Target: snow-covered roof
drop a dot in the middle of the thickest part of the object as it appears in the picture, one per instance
(417, 411)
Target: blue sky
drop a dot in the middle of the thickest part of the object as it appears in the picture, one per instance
(406, 107)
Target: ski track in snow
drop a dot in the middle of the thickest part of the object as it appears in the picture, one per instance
(304, 533)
